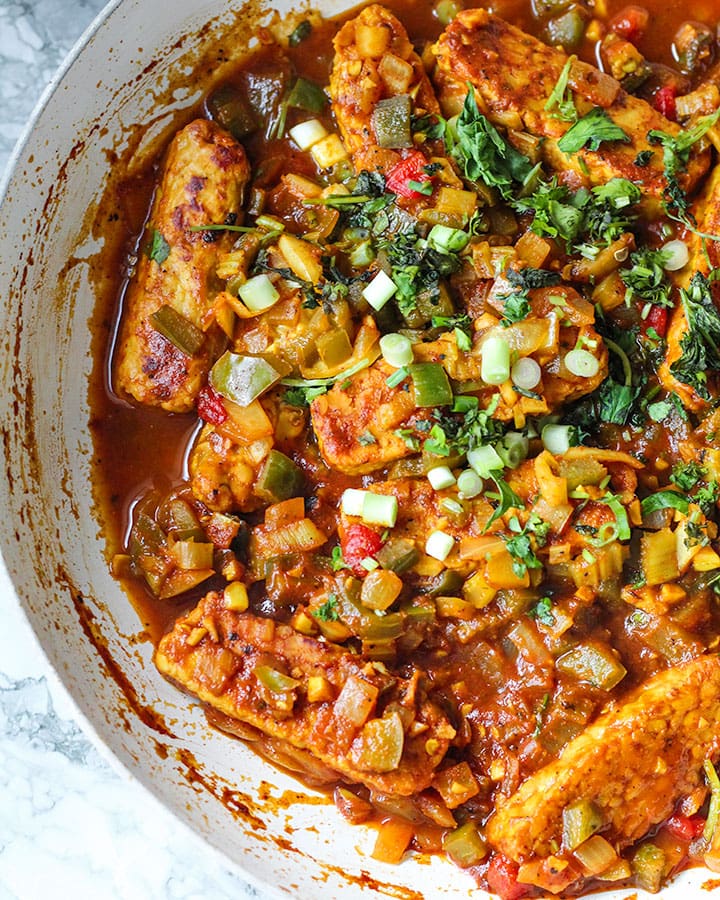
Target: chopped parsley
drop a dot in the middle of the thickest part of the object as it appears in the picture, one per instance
(593, 129)
(707, 497)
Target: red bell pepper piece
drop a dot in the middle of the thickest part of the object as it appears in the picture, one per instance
(664, 102)
(359, 543)
(410, 168)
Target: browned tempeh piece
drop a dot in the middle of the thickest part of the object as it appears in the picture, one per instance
(635, 762)
(369, 49)
(215, 653)
(514, 74)
(203, 183)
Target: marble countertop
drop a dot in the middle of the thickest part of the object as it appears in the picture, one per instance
(70, 825)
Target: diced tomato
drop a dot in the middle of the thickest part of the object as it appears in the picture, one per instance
(359, 543)
(664, 101)
(657, 319)
(630, 23)
(411, 168)
(502, 878)
(686, 828)
(211, 406)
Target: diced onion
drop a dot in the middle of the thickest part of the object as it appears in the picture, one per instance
(441, 477)
(448, 240)
(513, 449)
(397, 350)
(677, 254)
(308, 133)
(557, 438)
(470, 484)
(439, 544)
(352, 501)
(452, 506)
(526, 373)
(581, 363)
(379, 290)
(380, 509)
(485, 460)
(258, 293)
(495, 368)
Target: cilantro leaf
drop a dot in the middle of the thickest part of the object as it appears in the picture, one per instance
(328, 612)
(516, 305)
(592, 130)
(646, 278)
(561, 98)
(484, 155)
(462, 328)
(159, 249)
(507, 498)
(303, 396)
(700, 344)
(687, 475)
(542, 611)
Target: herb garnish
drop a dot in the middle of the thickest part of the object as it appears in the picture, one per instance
(516, 305)
(328, 612)
(158, 249)
(592, 130)
(700, 344)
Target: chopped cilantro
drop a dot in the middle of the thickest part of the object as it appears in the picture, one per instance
(646, 278)
(336, 560)
(328, 612)
(687, 475)
(560, 103)
(484, 155)
(303, 396)
(707, 497)
(542, 611)
(700, 344)
(643, 158)
(462, 328)
(506, 497)
(301, 33)
(158, 249)
(592, 130)
(516, 305)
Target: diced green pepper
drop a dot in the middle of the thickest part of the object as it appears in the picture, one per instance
(567, 29)
(307, 95)
(648, 865)
(432, 387)
(398, 555)
(391, 122)
(228, 107)
(594, 663)
(581, 820)
(280, 478)
(177, 329)
(301, 33)
(242, 379)
(274, 680)
(465, 846)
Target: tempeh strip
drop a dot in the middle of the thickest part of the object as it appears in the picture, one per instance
(635, 762)
(217, 653)
(203, 183)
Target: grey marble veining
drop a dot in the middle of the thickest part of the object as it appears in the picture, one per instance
(70, 825)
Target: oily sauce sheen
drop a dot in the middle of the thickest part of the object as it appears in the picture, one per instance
(438, 705)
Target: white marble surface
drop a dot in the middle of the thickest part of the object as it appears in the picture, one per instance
(70, 825)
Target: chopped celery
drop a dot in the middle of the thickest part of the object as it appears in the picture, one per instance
(391, 122)
(431, 384)
(180, 331)
(242, 379)
(280, 478)
(593, 662)
(581, 819)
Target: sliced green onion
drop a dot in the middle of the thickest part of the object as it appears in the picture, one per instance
(280, 478)
(242, 379)
(325, 382)
(676, 255)
(431, 384)
(369, 564)
(352, 502)
(441, 477)
(380, 509)
(302, 31)
(397, 350)
(526, 373)
(308, 133)
(439, 544)
(391, 122)
(307, 95)
(258, 293)
(379, 290)
(485, 460)
(713, 817)
(447, 240)
(174, 327)
(664, 500)
(621, 518)
(513, 449)
(581, 363)
(362, 255)
(495, 368)
(452, 506)
(470, 484)
(397, 377)
(269, 223)
(557, 439)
